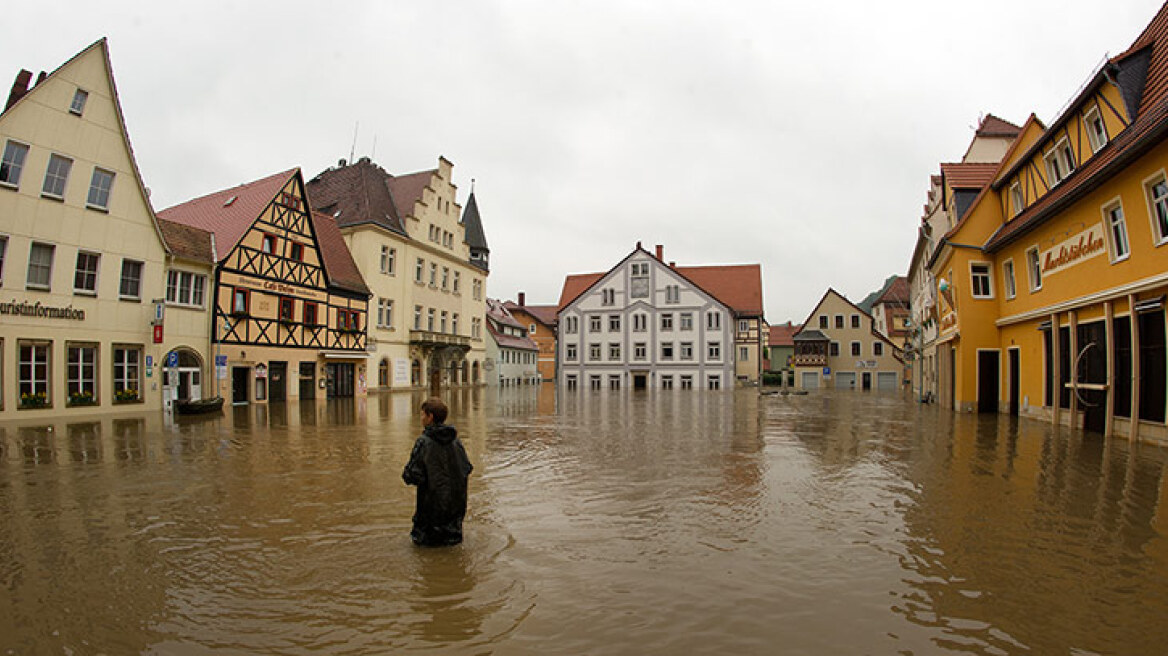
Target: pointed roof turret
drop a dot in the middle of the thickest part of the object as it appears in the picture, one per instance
(475, 237)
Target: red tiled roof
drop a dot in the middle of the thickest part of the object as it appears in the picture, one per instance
(971, 175)
(498, 313)
(342, 271)
(545, 314)
(992, 126)
(187, 241)
(407, 189)
(1149, 128)
(783, 334)
(739, 286)
(897, 292)
(229, 222)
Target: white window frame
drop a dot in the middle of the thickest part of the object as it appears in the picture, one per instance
(594, 351)
(1158, 207)
(743, 354)
(87, 276)
(667, 351)
(1059, 162)
(714, 350)
(640, 322)
(388, 260)
(81, 375)
(614, 323)
(1034, 268)
(420, 271)
(8, 164)
(570, 352)
(614, 351)
(640, 351)
(39, 366)
(686, 351)
(594, 323)
(101, 186)
(1115, 225)
(55, 175)
(77, 105)
(385, 313)
(685, 321)
(713, 320)
(1011, 284)
(35, 283)
(1092, 117)
(1017, 200)
(744, 325)
(981, 280)
(185, 288)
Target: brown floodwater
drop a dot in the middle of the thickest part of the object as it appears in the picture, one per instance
(680, 522)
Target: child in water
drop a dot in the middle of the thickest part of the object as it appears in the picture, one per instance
(439, 467)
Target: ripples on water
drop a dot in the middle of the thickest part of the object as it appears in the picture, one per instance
(664, 523)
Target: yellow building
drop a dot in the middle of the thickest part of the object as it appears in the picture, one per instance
(839, 346)
(426, 262)
(289, 303)
(84, 318)
(1051, 288)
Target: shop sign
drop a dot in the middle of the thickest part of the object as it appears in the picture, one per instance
(1074, 250)
(26, 309)
(261, 371)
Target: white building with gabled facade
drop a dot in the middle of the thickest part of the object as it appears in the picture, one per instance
(644, 324)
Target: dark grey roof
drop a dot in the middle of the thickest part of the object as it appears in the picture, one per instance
(810, 336)
(475, 238)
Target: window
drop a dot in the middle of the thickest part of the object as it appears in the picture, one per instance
(839, 321)
(1034, 268)
(607, 297)
(457, 280)
(348, 320)
(1158, 198)
(388, 260)
(640, 269)
(1008, 277)
(672, 294)
(667, 350)
(445, 278)
(570, 352)
(614, 351)
(418, 270)
(85, 277)
(442, 322)
(614, 323)
(667, 322)
(454, 323)
(268, 244)
(476, 328)
(594, 382)
(3, 253)
(477, 289)
(833, 349)
(855, 321)
(430, 319)
(743, 326)
(639, 323)
(530, 329)
(185, 288)
(1096, 130)
(1017, 202)
(594, 351)
(309, 312)
(131, 283)
(1116, 231)
(433, 274)
(667, 382)
(823, 322)
(856, 350)
(33, 374)
(12, 163)
(40, 266)
(714, 382)
(81, 374)
(686, 320)
(594, 324)
(99, 189)
(571, 325)
(287, 308)
(56, 176)
(980, 283)
(78, 104)
(743, 354)
(384, 313)
(296, 251)
(640, 352)
(877, 349)
(1060, 162)
(417, 317)
(714, 321)
(714, 350)
(687, 382)
(127, 372)
(686, 352)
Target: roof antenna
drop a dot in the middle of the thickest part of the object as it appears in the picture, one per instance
(472, 180)
(353, 148)
(373, 155)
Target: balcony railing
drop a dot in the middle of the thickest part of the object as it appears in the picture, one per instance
(429, 338)
(810, 360)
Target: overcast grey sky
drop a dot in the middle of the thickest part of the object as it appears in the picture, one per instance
(795, 135)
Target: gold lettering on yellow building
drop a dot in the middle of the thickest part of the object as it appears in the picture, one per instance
(1076, 249)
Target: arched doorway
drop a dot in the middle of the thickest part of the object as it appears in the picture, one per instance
(465, 371)
(383, 373)
(182, 375)
(453, 374)
(475, 373)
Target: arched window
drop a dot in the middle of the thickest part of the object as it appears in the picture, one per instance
(383, 373)
(416, 373)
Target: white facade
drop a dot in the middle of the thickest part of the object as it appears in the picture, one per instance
(643, 325)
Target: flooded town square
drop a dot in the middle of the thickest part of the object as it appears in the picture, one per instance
(648, 522)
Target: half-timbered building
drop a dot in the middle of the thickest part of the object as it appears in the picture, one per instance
(289, 303)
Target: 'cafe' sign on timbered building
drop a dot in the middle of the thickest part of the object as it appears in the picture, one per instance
(289, 303)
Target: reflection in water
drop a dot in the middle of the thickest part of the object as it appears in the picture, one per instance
(632, 522)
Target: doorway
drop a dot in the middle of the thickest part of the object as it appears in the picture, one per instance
(1091, 375)
(640, 381)
(307, 380)
(866, 380)
(240, 376)
(277, 381)
(1015, 378)
(988, 376)
(340, 380)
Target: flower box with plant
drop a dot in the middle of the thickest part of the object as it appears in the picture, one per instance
(82, 398)
(126, 395)
(33, 400)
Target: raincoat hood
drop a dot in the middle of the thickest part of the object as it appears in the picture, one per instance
(441, 433)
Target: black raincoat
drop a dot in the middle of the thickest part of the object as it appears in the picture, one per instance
(439, 467)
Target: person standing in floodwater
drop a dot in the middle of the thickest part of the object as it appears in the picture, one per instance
(439, 467)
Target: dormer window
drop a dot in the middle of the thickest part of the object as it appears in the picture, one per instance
(1096, 130)
(1060, 162)
(1016, 200)
(78, 104)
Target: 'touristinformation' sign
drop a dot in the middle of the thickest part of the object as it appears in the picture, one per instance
(26, 309)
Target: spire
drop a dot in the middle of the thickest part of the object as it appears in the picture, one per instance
(474, 235)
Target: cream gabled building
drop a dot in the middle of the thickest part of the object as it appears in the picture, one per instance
(426, 263)
(84, 321)
(838, 346)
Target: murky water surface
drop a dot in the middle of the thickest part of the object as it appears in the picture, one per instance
(667, 523)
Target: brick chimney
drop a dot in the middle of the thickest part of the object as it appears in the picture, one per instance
(19, 88)
(522, 299)
(661, 252)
